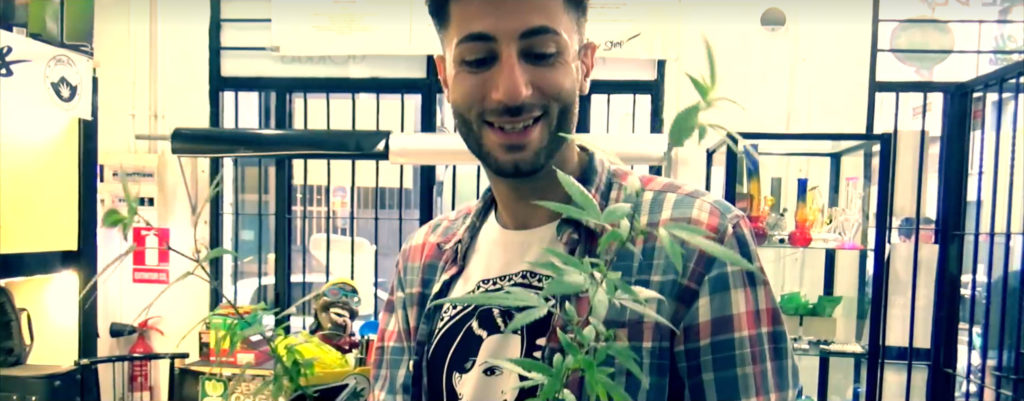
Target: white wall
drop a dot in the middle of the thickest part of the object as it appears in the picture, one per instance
(122, 42)
(50, 300)
(811, 76)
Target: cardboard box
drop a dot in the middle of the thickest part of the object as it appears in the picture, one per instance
(822, 328)
(252, 350)
(792, 325)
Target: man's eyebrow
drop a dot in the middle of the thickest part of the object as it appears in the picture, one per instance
(539, 30)
(476, 37)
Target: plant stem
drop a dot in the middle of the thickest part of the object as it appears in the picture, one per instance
(116, 262)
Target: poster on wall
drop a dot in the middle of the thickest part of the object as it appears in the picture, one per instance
(44, 91)
(42, 80)
(641, 29)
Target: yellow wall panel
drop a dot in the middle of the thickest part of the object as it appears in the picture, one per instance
(39, 188)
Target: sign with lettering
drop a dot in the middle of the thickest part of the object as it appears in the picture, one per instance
(45, 80)
(641, 29)
(151, 246)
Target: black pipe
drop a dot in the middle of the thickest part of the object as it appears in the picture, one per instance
(219, 142)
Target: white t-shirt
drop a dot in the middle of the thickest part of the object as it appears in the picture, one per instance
(466, 336)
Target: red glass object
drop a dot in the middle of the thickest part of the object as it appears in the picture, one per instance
(800, 237)
(760, 232)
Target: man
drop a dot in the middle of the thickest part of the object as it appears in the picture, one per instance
(926, 230)
(513, 71)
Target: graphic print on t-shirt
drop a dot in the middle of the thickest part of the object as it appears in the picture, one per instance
(469, 335)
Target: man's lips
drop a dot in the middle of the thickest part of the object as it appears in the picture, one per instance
(514, 129)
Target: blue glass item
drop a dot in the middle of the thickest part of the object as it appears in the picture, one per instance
(369, 328)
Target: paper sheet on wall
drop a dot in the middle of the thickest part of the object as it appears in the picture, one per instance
(640, 29)
(352, 27)
(644, 29)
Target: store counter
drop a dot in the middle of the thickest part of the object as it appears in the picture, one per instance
(202, 380)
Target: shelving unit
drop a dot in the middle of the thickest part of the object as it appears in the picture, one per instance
(827, 161)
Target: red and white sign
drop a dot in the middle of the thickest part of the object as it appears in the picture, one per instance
(151, 246)
(143, 275)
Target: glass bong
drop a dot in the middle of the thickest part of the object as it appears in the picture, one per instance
(849, 219)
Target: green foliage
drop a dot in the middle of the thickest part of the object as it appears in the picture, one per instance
(688, 120)
(683, 125)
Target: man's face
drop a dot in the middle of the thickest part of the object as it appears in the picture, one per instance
(927, 234)
(513, 71)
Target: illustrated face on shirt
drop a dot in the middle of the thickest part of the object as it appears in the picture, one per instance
(485, 380)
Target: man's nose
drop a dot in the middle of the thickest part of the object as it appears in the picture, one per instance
(512, 86)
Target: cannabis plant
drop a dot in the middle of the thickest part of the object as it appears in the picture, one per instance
(688, 120)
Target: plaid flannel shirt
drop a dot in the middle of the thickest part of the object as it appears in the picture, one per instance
(731, 342)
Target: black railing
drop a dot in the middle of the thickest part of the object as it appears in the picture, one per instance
(974, 348)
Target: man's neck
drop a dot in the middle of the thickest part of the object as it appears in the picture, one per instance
(515, 198)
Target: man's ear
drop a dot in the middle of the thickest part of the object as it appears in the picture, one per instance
(442, 75)
(587, 54)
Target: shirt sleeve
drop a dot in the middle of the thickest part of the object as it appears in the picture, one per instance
(390, 374)
(732, 343)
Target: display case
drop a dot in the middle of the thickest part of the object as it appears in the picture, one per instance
(816, 202)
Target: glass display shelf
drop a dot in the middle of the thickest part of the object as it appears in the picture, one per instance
(825, 351)
(770, 245)
(816, 191)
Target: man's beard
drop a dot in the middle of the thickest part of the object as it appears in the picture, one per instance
(565, 122)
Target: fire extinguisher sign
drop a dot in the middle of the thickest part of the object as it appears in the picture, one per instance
(151, 256)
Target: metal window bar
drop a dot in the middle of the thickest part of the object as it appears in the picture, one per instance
(1009, 228)
(974, 254)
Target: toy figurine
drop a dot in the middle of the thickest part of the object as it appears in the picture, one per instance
(336, 306)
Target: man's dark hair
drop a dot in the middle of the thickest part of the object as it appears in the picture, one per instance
(906, 228)
(439, 12)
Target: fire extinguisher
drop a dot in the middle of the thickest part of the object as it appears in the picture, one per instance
(140, 373)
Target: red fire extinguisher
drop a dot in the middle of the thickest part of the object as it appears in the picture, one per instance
(140, 380)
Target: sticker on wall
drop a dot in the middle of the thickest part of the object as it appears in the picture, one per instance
(212, 388)
(63, 79)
